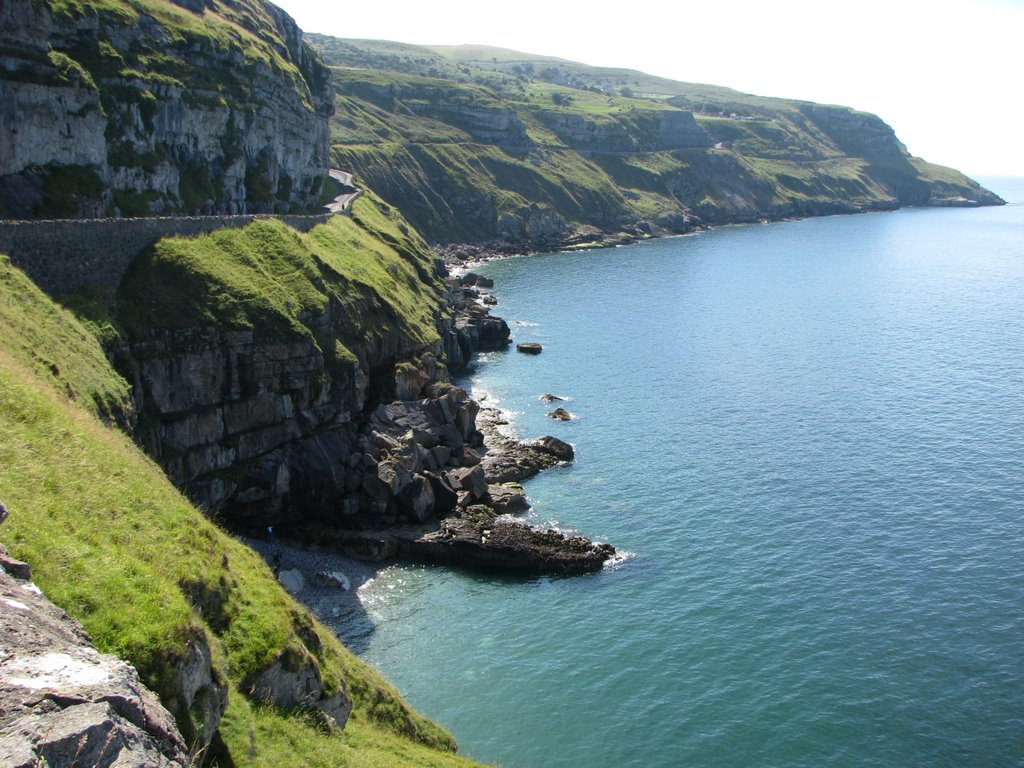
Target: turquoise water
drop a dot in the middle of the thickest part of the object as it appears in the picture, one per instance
(809, 437)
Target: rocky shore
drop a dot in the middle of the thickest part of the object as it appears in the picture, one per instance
(443, 478)
(475, 525)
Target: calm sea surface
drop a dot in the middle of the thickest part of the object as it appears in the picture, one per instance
(809, 437)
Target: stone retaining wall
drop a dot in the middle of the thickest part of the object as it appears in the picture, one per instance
(61, 256)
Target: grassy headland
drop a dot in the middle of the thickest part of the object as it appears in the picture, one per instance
(474, 142)
(116, 545)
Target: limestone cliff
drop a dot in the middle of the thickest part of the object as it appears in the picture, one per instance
(135, 109)
(258, 356)
(576, 154)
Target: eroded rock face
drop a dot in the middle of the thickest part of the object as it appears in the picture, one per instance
(103, 116)
(297, 683)
(270, 432)
(62, 703)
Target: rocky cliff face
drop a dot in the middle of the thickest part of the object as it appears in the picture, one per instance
(272, 424)
(638, 131)
(64, 704)
(265, 432)
(197, 108)
(610, 154)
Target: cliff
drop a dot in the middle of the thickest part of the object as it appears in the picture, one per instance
(491, 146)
(130, 108)
(250, 677)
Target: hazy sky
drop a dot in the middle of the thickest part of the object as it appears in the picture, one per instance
(945, 74)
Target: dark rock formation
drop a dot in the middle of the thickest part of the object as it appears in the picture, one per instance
(481, 539)
(506, 460)
(62, 703)
(530, 348)
(560, 414)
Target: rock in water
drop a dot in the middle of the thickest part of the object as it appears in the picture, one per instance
(560, 449)
(529, 348)
(561, 414)
(549, 398)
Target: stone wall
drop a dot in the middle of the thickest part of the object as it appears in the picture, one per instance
(61, 256)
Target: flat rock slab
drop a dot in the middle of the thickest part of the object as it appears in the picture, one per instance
(509, 545)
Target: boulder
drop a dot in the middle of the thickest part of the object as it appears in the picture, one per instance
(445, 497)
(560, 414)
(507, 499)
(418, 498)
(560, 449)
(549, 398)
(469, 479)
(333, 580)
(529, 348)
(292, 580)
(15, 568)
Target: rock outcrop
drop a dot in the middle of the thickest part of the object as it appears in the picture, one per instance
(112, 110)
(636, 131)
(64, 704)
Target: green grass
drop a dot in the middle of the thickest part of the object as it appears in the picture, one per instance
(71, 361)
(543, 95)
(272, 279)
(116, 545)
(776, 155)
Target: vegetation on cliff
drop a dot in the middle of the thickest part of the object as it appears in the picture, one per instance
(479, 144)
(136, 107)
(274, 280)
(114, 543)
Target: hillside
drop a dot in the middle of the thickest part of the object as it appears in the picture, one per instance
(479, 144)
(141, 107)
(201, 617)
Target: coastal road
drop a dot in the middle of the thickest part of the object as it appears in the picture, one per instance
(341, 203)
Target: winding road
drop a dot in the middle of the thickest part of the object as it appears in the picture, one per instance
(342, 202)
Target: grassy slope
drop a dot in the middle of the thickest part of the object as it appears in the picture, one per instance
(113, 542)
(269, 277)
(775, 157)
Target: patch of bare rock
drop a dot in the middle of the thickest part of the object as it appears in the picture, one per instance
(62, 703)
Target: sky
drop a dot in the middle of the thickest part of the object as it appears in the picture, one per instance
(947, 75)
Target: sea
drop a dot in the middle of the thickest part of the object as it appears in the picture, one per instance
(806, 441)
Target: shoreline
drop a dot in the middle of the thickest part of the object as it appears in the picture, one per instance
(463, 255)
(465, 509)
